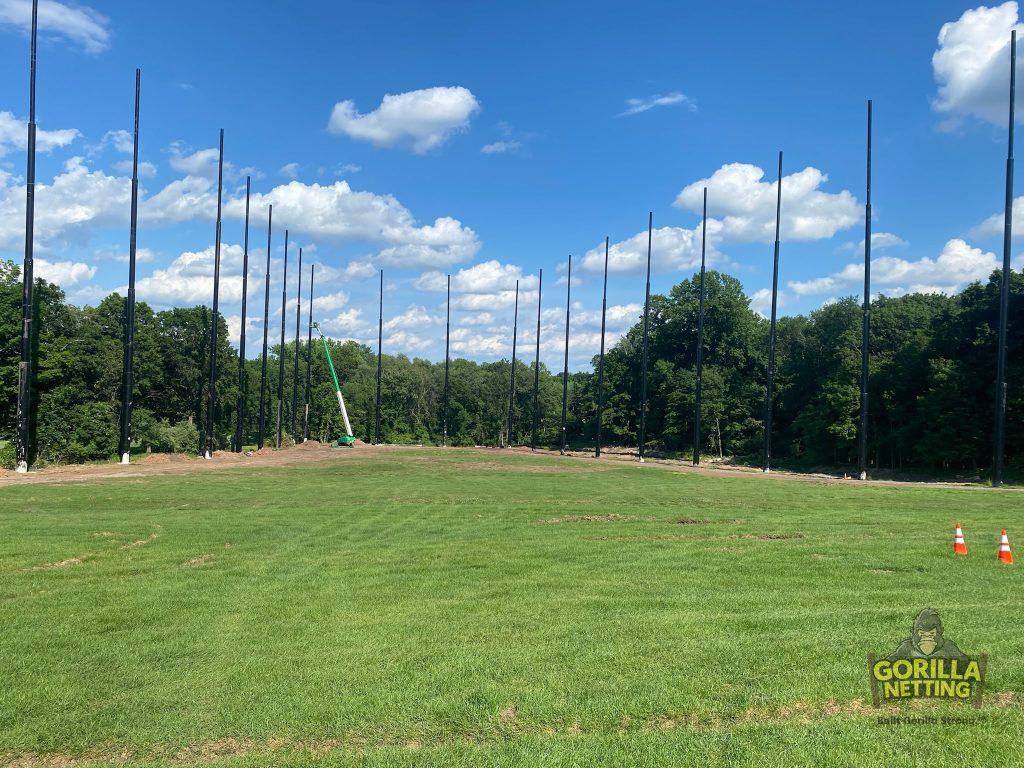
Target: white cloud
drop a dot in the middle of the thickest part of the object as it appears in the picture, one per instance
(336, 211)
(486, 278)
(672, 249)
(993, 225)
(971, 64)
(414, 317)
(78, 23)
(188, 280)
(422, 119)
(359, 270)
(636, 106)
(14, 135)
(121, 140)
(66, 274)
(202, 162)
(291, 170)
(746, 204)
(500, 147)
(957, 265)
(146, 170)
(879, 241)
(76, 201)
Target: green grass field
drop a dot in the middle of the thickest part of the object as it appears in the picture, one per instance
(457, 608)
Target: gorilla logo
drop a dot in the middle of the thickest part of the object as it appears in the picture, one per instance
(927, 641)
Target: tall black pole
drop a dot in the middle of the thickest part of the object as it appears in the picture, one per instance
(380, 347)
(536, 370)
(25, 366)
(565, 366)
(865, 336)
(512, 380)
(447, 339)
(700, 337)
(1004, 286)
(243, 376)
(309, 355)
(600, 362)
(769, 399)
(280, 359)
(266, 328)
(128, 384)
(647, 312)
(295, 365)
(211, 395)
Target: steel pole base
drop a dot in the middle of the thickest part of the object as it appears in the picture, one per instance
(863, 475)
(208, 456)
(21, 468)
(125, 458)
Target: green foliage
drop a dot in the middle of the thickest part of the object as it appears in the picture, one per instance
(8, 458)
(931, 388)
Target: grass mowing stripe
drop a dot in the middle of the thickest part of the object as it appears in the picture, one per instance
(417, 596)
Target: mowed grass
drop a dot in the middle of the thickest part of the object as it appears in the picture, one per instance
(445, 608)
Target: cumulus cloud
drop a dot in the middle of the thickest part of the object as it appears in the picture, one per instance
(745, 204)
(500, 147)
(336, 211)
(189, 279)
(957, 265)
(971, 64)
(14, 135)
(421, 120)
(291, 170)
(75, 202)
(202, 162)
(637, 105)
(879, 241)
(66, 274)
(489, 278)
(672, 249)
(78, 23)
(79, 201)
(993, 225)
(146, 170)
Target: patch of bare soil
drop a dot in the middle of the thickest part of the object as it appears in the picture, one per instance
(157, 464)
(692, 521)
(612, 518)
(197, 561)
(71, 561)
(278, 750)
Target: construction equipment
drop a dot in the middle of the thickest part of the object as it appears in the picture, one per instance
(346, 440)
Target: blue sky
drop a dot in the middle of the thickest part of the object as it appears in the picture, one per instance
(492, 140)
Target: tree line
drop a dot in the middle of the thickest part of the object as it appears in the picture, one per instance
(931, 390)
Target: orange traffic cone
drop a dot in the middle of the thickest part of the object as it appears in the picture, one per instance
(1005, 555)
(959, 545)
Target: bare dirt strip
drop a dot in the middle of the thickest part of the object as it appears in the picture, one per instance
(160, 464)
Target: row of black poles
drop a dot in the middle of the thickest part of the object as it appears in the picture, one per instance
(243, 381)
(22, 436)
(127, 384)
(1004, 285)
(447, 342)
(211, 395)
(261, 435)
(380, 346)
(295, 360)
(536, 369)
(512, 380)
(865, 353)
(309, 354)
(21, 439)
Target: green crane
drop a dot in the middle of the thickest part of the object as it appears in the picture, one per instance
(346, 440)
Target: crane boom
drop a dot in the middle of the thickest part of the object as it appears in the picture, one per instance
(337, 386)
